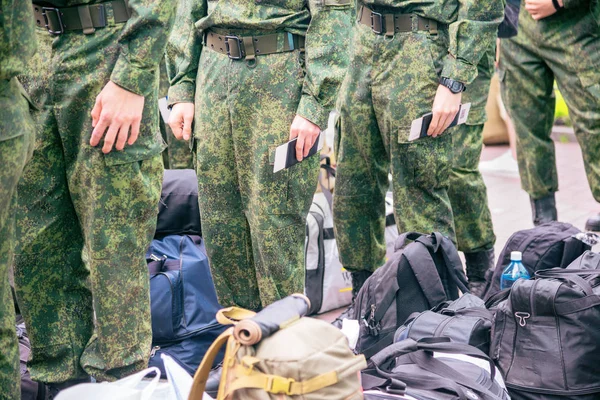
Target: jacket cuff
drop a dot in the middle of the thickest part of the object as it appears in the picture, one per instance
(183, 92)
(310, 109)
(132, 78)
(459, 70)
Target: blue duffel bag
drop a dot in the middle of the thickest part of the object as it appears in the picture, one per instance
(183, 301)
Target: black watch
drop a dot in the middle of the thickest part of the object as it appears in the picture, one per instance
(454, 86)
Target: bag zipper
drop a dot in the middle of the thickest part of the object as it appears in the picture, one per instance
(192, 333)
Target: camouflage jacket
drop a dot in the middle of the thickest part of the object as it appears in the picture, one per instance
(325, 23)
(141, 41)
(17, 38)
(472, 25)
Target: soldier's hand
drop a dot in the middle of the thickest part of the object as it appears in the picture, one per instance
(116, 112)
(540, 9)
(445, 108)
(180, 120)
(307, 134)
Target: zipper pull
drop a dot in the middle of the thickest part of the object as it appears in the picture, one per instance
(154, 350)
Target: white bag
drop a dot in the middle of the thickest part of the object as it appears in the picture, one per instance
(131, 388)
(327, 284)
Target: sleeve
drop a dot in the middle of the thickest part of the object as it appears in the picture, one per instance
(473, 33)
(142, 43)
(574, 3)
(183, 51)
(327, 41)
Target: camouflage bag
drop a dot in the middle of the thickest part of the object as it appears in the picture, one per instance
(302, 358)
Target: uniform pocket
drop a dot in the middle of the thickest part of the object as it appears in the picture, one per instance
(590, 80)
(426, 162)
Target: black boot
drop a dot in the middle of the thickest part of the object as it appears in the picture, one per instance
(358, 280)
(593, 224)
(52, 389)
(544, 210)
(478, 265)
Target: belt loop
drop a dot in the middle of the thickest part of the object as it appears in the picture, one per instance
(249, 48)
(86, 19)
(390, 26)
(433, 27)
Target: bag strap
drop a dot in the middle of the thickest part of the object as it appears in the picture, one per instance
(571, 275)
(401, 240)
(453, 263)
(232, 315)
(425, 272)
(497, 298)
(371, 381)
(201, 375)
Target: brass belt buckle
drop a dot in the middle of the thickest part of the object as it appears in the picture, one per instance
(375, 16)
(45, 11)
(238, 47)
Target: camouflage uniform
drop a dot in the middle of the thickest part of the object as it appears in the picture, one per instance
(466, 188)
(86, 218)
(17, 45)
(252, 219)
(566, 47)
(391, 82)
(178, 154)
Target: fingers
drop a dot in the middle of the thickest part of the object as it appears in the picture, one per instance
(300, 147)
(122, 137)
(99, 129)
(434, 125)
(187, 126)
(176, 122)
(110, 137)
(96, 111)
(308, 144)
(135, 132)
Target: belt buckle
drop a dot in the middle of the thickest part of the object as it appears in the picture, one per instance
(45, 11)
(238, 42)
(379, 16)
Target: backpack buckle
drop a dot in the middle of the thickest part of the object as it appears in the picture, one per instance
(280, 385)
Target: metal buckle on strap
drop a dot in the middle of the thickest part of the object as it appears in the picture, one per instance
(375, 16)
(238, 48)
(56, 11)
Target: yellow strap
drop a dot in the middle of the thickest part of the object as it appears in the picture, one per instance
(277, 384)
(231, 315)
(201, 375)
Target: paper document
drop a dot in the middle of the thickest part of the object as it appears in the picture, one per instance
(285, 155)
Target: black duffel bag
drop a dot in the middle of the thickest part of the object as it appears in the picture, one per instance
(178, 210)
(546, 336)
(433, 369)
(465, 320)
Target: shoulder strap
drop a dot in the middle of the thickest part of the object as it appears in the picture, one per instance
(201, 376)
(572, 276)
(453, 263)
(425, 272)
(232, 315)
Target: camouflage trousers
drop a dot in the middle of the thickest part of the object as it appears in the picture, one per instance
(253, 220)
(467, 190)
(390, 82)
(85, 221)
(16, 141)
(564, 47)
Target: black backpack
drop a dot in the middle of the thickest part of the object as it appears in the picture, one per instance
(510, 25)
(418, 277)
(551, 245)
(465, 320)
(410, 368)
(178, 210)
(30, 389)
(546, 336)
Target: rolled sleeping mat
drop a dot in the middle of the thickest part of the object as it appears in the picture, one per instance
(271, 319)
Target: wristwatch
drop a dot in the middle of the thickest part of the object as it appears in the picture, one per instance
(454, 86)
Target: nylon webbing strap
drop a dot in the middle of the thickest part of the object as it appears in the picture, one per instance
(389, 24)
(248, 47)
(327, 3)
(86, 18)
(279, 385)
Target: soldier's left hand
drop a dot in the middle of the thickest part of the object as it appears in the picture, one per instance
(307, 133)
(540, 9)
(116, 112)
(445, 107)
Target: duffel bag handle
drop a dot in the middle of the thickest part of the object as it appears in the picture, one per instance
(400, 242)
(233, 315)
(201, 375)
(572, 275)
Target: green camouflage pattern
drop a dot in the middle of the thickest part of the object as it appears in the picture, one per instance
(85, 219)
(17, 38)
(466, 189)
(377, 106)
(14, 152)
(178, 154)
(472, 26)
(324, 23)
(564, 47)
(253, 220)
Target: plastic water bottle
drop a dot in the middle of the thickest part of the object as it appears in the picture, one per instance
(514, 271)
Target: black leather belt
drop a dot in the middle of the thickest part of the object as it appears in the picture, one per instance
(389, 24)
(248, 47)
(85, 18)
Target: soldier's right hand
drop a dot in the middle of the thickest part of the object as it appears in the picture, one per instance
(180, 120)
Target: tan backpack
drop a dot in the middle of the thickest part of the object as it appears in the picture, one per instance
(306, 359)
